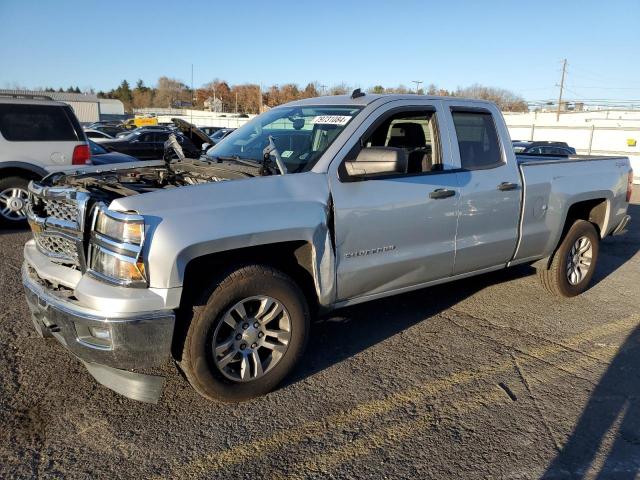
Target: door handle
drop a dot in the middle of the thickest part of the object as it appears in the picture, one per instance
(506, 186)
(441, 193)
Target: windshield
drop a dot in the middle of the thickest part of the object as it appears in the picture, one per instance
(301, 135)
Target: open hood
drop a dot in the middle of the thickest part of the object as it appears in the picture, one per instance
(193, 133)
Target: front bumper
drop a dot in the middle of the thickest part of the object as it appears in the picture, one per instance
(109, 344)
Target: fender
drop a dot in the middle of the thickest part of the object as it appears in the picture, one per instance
(186, 223)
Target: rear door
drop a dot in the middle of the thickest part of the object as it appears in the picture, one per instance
(390, 233)
(489, 207)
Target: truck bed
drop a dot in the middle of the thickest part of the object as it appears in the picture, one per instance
(532, 159)
(553, 183)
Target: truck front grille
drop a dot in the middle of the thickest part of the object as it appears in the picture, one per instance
(57, 247)
(61, 209)
(57, 219)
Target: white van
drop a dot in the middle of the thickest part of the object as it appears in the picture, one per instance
(37, 137)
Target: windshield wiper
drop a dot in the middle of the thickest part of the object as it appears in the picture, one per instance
(235, 158)
(268, 150)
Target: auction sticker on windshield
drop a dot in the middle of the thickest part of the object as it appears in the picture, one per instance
(331, 119)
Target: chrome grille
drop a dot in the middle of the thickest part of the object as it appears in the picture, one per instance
(61, 209)
(58, 247)
(57, 217)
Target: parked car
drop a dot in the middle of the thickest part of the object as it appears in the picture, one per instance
(220, 134)
(313, 205)
(147, 143)
(543, 148)
(155, 128)
(97, 134)
(210, 130)
(111, 130)
(102, 156)
(36, 136)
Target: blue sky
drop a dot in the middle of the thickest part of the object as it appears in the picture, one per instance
(508, 44)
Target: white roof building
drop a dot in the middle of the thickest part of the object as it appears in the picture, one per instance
(87, 106)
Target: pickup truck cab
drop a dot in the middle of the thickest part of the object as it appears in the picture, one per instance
(220, 262)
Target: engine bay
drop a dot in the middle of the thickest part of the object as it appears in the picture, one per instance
(123, 182)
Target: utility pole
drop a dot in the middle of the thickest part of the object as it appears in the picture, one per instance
(417, 82)
(322, 89)
(564, 71)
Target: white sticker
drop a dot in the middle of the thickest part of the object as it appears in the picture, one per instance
(331, 119)
(286, 153)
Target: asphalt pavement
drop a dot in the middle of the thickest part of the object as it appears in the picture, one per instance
(484, 378)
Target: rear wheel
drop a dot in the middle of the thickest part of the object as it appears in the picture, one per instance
(13, 201)
(246, 335)
(574, 261)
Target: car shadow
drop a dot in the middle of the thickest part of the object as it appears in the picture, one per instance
(613, 405)
(346, 332)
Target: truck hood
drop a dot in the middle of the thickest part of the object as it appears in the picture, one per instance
(247, 193)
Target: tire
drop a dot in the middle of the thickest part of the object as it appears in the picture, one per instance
(211, 326)
(560, 278)
(13, 194)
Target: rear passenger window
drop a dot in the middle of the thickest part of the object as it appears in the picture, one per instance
(477, 140)
(35, 123)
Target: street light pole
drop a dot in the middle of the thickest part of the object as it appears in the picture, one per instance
(417, 82)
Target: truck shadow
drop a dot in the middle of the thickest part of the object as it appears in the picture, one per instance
(614, 409)
(348, 331)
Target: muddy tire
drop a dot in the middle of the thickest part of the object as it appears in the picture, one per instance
(573, 263)
(246, 334)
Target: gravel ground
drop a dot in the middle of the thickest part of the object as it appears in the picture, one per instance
(484, 378)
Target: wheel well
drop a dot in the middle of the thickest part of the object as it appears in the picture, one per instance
(594, 211)
(19, 172)
(293, 258)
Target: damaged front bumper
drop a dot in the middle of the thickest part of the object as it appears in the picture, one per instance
(109, 345)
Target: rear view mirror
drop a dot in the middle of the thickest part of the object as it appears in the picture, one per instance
(375, 161)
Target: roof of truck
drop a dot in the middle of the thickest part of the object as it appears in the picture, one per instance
(369, 98)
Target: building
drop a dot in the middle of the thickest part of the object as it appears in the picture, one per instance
(87, 106)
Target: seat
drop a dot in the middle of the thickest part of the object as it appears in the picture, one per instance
(410, 136)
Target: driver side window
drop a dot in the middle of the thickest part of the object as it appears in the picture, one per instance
(415, 132)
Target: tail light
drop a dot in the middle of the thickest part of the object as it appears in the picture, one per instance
(629, 185)
(81, 155)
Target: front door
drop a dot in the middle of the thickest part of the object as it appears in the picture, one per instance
(399, 230)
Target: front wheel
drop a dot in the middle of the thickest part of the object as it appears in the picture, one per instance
(13, 201)
(246, 336)
(574, 261)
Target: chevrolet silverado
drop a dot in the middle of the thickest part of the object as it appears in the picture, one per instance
(219, 262)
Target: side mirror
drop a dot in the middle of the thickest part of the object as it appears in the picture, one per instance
(375, 161)
(206, 146)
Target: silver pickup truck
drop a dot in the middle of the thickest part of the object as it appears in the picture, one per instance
(220, 262)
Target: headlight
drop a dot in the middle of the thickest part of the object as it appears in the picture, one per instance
(123, 227)
(115, 248)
